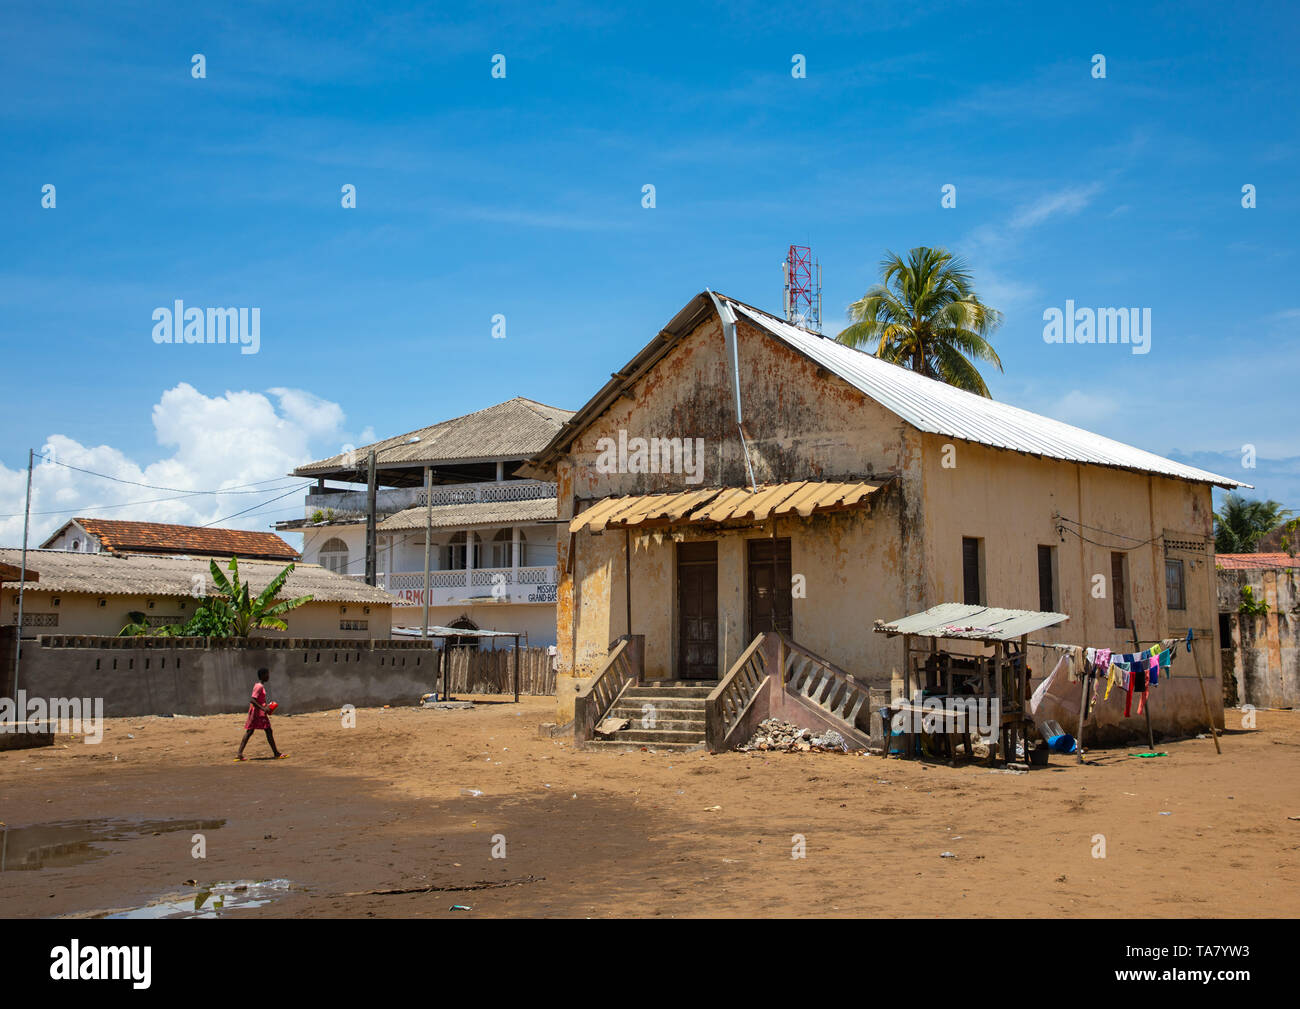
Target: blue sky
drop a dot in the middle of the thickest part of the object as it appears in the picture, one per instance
(523, 196)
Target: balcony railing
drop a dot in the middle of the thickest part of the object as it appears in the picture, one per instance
(394, 499)
(534, 584)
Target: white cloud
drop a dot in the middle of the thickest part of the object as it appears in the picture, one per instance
(225, 442)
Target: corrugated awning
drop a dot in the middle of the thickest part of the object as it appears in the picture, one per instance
(976, 623)
(722, 504)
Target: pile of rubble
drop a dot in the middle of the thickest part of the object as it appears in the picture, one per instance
(778, 734)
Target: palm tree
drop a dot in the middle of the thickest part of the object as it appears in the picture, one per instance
(1241, 523)
(925, 315)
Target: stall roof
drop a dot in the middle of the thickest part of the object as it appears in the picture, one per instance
(458, 632)
(719, 504)
(975, 623)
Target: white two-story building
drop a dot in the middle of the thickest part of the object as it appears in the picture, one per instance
(492, 546)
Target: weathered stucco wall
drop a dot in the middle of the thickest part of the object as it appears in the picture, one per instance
(79, 613)
(1262, 655)
(802, 423)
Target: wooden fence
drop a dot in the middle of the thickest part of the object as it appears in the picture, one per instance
(474, 671)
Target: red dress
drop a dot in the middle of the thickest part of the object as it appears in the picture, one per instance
(257, 719)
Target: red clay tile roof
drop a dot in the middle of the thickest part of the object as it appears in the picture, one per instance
(10, 573)
(121, 537)
(1255, 561)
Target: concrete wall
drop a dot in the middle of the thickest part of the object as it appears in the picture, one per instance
(306, 675)
(79, 613)
(1262, 656)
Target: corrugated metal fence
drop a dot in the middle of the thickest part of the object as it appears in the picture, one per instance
(474, 671)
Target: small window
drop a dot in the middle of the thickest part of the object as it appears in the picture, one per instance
(1119, 586)
(1047, 579)
(354, 625)
(333, 556)
(1225, 630)
(1174, 594)
(972, 574)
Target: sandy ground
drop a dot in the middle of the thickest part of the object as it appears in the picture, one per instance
(382, 806)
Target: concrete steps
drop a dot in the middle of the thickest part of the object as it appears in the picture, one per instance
(666, 715)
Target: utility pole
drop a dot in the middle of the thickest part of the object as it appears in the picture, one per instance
(370, 519)
(428, 536)
(22, 574)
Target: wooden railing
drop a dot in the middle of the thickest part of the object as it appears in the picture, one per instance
(730, 700)
(622, 668)
(825, 684)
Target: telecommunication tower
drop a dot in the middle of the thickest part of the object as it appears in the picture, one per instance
(803, 288)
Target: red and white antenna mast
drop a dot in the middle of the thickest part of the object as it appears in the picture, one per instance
(803, 288)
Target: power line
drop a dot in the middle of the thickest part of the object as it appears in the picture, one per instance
(292, 490)
(258, 484)
(130, 504)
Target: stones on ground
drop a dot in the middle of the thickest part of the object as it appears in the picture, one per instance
(777, 734)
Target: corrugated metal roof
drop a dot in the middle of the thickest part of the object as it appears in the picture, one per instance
(514, 429)
(720, 504)
(473, 514)
(977, 623)
(147, 575)
(939, 408)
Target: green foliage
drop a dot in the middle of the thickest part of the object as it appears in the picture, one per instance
(1241, 523)
(1250, 606)
(231, 612)
(925, 315)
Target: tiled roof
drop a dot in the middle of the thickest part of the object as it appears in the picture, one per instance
(476, 513)
(1238, 562)
(121, 536)
(514, 429)
(146, 575)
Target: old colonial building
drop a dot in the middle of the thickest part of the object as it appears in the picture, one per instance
(741, 474)
(492, 533)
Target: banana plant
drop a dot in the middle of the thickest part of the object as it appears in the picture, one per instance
(242, 613)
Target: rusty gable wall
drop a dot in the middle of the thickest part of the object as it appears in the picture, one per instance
(803, 423)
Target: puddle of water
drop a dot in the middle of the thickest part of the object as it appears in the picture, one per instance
(72, 842)
(210, 901)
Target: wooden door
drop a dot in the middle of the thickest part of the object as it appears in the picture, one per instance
(770, 607)
(697, 611)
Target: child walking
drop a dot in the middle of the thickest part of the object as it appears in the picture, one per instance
(259, 716)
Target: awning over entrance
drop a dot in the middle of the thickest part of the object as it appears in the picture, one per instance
(722, 504)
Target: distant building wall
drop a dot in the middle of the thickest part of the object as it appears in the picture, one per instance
(1261, 652)
(81, 613)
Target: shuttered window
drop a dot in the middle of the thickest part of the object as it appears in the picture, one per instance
(970, 571)
(1175, 597)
